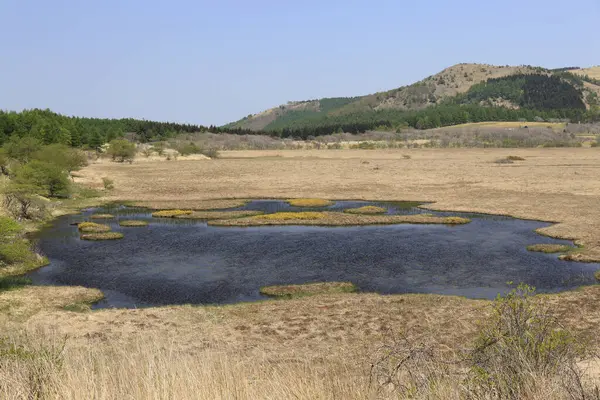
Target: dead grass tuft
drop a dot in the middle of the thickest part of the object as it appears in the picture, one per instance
(366, 210)
(309, 289)
(549, 248)
(306, 202)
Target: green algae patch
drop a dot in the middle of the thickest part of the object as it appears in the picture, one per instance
(133, 223)
(305, 202)
(102, 216)
(170, 213)
(210, 215)
(92, 227)
(366, 210)
(336, 219)
(309, 289)
(102, 236)
(550, 248)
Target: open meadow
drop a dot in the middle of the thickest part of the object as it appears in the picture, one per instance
(319, 347)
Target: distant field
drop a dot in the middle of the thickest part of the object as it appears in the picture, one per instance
(593, 72)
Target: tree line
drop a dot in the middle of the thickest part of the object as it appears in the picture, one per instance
(49, 127)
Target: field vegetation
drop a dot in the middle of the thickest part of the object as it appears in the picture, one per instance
(337, 219)
(308, 289)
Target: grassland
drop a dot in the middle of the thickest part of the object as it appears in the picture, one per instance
(317, 347)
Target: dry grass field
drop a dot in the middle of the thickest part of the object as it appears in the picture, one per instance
(312, 347)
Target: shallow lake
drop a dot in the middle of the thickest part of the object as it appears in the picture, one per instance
(184, 261)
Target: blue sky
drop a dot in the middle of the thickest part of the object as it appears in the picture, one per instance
(211, 62)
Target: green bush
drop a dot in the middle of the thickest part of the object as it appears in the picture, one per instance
(21, 149)
(48, 179)
(121, 150)
(8, 227)
(63, 156)
(16, 252)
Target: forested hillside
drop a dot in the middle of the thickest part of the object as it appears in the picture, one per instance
(49, 127)
(459, 94)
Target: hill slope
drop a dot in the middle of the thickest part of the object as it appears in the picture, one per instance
(451, 86)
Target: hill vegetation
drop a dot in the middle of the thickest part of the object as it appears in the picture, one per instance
(460, 94)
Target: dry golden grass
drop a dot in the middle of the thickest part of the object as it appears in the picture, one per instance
(309, 202)
(187, 204)
(93, 227)
(133, 223)
(320, 346)
(549, 248)
(102, 216)
(592, 72)
(308, 289)
(208, 215)
(366, 210)
(327, 218)
(171, 213)
(102, 236)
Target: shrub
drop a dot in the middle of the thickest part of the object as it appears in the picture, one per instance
(21, 149)
(521, 341)
(4, 160)
(108, 184)
(8, 228)
(121, 150)
(187, 149)
(65, 157)
(16, 252)
(515, 158)
(212, 153)
(102, 236)
(46, 178)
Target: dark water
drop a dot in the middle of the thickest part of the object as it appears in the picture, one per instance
(183, 261)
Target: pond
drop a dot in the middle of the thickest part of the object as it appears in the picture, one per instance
(174, 261)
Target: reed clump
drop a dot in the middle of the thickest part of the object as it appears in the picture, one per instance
(92, 227)
(133, 223)
(102, 236)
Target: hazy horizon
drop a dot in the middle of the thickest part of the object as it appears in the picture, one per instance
(203, 63)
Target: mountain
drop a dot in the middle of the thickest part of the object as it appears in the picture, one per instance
(522, 89)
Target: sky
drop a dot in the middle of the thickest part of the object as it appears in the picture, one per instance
(213, 62)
